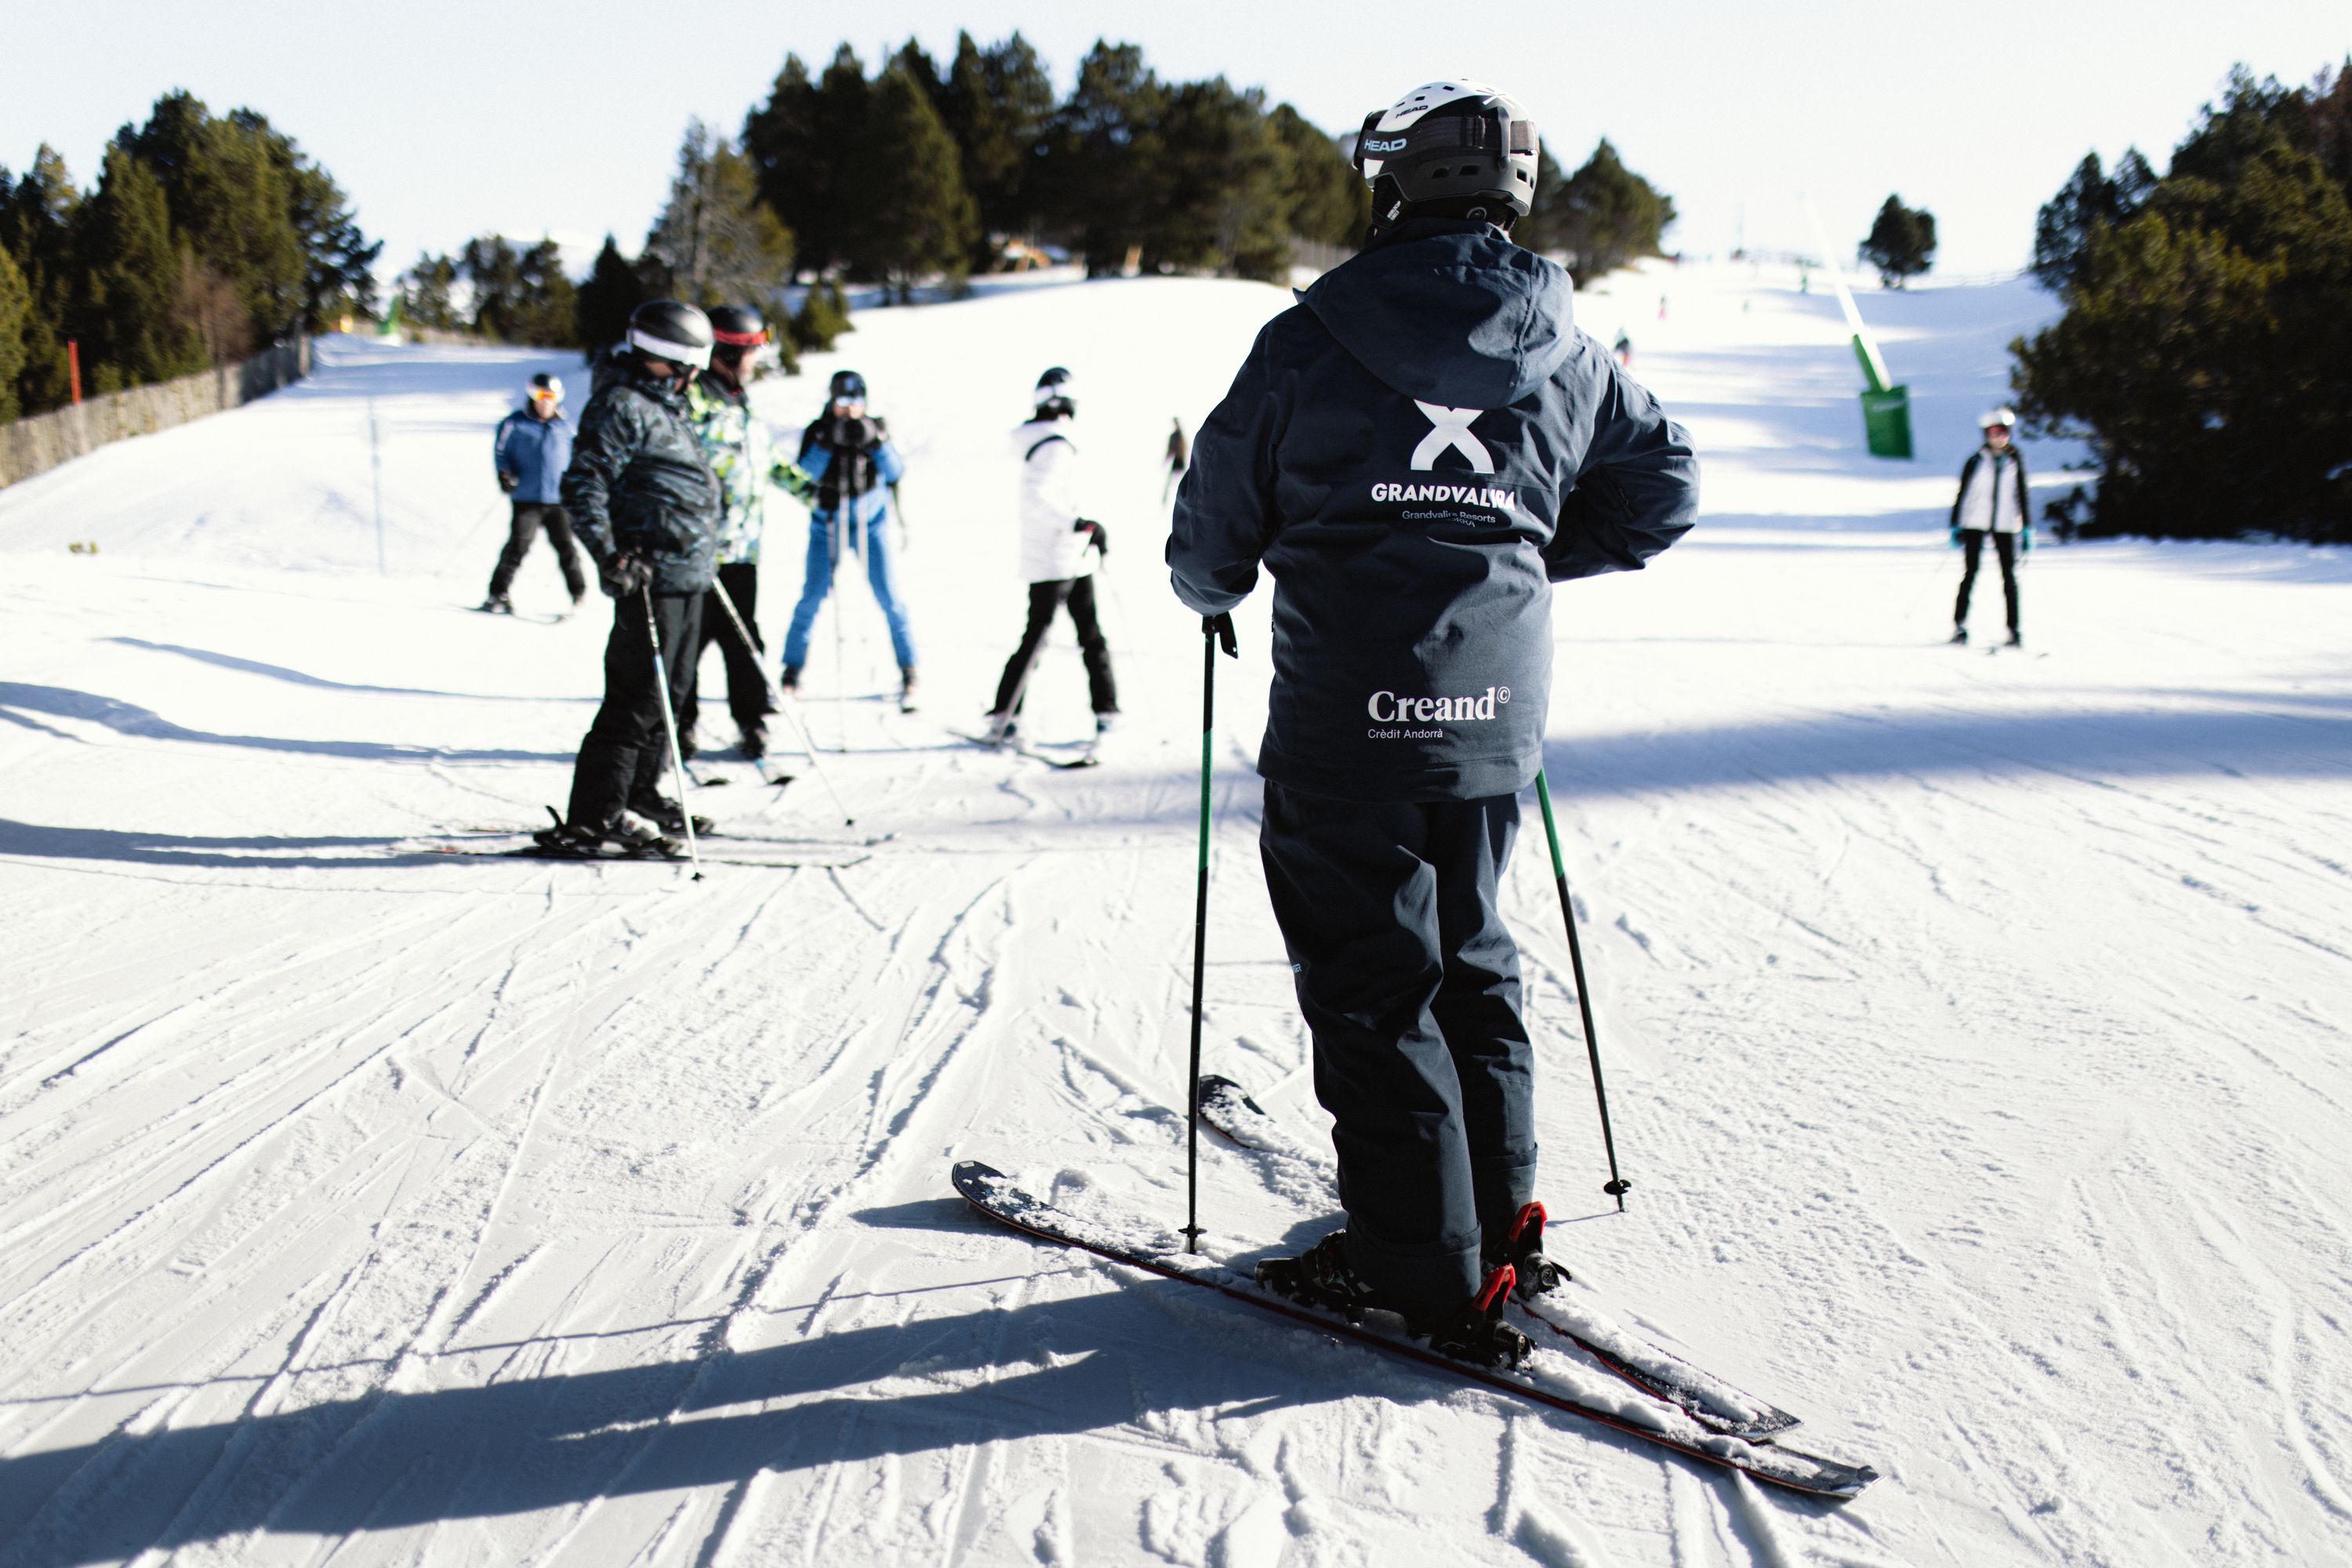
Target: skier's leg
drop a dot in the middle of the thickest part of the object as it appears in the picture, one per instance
(1971, 552)
(1044, 598)
(1357, 903)
(678, 617)
(1100, 687)
(685, 707)
(625, 725)
(558, 524)
(747, 690)
(885, 592)
(816, 582)
(523, 526)
(2005, 547)
(1478, 1002)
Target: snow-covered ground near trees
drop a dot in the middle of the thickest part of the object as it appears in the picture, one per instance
(1975, 1025)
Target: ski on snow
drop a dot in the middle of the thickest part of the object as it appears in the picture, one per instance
(1089, 758)
(1705, 1398)
(1548, 1378)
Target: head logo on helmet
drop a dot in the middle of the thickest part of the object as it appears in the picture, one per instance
(1449, 149)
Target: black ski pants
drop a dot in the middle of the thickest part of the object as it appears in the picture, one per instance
(2004, 546)
(747, 692)
(530, 517)
(1045, 600)
(625, 748)
(1410, 985)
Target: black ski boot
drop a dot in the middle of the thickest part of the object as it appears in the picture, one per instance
(751, 741)
(497, 604)
(1522, 1249)
(667, 815)
(1959, 637)
(566, 841)
(906, 688)
(790, 681)
(2016, 638)
(635, 835)
(1004, 729)
(1473, 1331)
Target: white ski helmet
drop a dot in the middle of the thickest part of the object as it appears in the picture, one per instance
(2003, 417)
(1453, 148)
(544, 384)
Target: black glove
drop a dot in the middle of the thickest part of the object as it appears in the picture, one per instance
(508, 482)
(858, 435)
(1221, 628)
(1101, 540)
(623, 576)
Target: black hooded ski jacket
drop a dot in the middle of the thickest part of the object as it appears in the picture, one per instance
(640, 485)
(1414, 451)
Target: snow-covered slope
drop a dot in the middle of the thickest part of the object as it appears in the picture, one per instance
(1975, 1025)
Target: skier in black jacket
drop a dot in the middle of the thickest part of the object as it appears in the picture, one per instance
(644, 505)
(1414, 452)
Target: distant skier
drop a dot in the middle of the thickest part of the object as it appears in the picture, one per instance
(849, 456)
(1059, 550)
(1178, 457)
(1624, 348)
(1991, 500)
(648, 512)
(532, 449)
(1411, 452)
(742, 455)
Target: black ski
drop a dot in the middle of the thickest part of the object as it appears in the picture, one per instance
(534, 852)
(1018, 747)
(1705, 1398)
(1546, 1378)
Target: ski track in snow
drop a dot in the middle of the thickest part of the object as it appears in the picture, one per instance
(1975, 1026)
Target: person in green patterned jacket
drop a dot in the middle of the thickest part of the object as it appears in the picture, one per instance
(743, 454)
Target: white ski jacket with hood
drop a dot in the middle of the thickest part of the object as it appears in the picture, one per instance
(1051, 549)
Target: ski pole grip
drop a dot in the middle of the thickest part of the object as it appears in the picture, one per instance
(1221, 628)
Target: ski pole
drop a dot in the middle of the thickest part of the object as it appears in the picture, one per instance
(670, 727)
(1212, 626)
(1616, 1186)
(783, 703)
(840, 608)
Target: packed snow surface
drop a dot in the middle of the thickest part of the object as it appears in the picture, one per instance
(1975, 1024)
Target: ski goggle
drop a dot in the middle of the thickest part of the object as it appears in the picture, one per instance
(743, 340)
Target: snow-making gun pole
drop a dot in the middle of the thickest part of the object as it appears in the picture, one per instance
(1211, 628)
(1616, 1186)
(375, 466)
(1865, 347)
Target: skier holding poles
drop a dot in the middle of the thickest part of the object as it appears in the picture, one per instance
(646, 507)
(1059, 550)
(1412, 452)
(849, 456)
(742, 455)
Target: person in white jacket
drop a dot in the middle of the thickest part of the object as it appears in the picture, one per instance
(1991, 501)
(1059, 551)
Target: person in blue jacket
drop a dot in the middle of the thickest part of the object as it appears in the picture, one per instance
(532, 448)
(848, 454)
(1414, 452)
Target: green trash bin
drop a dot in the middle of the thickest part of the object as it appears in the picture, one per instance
(1887, 422)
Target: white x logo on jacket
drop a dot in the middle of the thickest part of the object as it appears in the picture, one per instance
(1451, 428)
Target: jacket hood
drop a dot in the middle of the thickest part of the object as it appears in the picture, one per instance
(1450, 312)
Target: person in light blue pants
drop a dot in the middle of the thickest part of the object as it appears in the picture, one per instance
(850, 457)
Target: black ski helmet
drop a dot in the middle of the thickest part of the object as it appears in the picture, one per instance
(671, 330)
(1449, 149)
(846, 383)
(1055, 387)
(737, 326)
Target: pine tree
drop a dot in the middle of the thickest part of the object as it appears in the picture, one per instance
(228, 197)
(715, 242)
(917, 219)
(802, 144)
(37, 222)
(601, 308)
(338, 272)
(428, 295)
(1219, 201)
(1100, 174)
(125, 314)
(2088, 201)
(15, 305)
(824, 316)
(522, 295)
(1608, 215)
(997, 103)
(1323, 197)
(1902, 242)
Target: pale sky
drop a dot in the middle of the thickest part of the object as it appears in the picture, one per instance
(446, 121)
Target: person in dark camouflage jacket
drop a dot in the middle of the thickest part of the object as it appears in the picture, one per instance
(646, 506)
